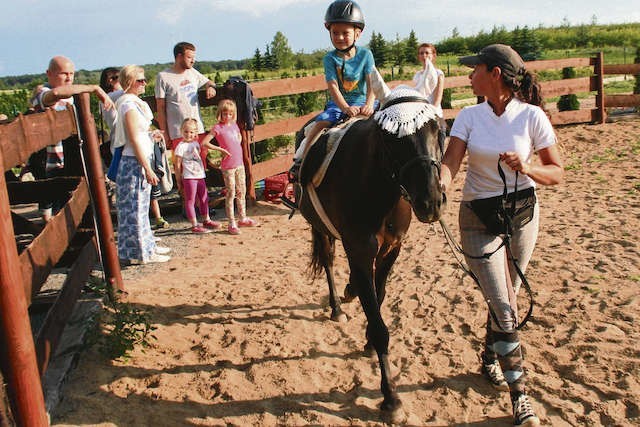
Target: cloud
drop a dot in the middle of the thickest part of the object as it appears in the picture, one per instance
(172, 11)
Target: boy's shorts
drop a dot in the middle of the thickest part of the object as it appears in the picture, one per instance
(333, 114)
(155, 192)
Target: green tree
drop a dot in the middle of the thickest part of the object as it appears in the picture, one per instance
(257, 62)
(281, 52)
(397, 51)
(378, 47)
(526, 43)
(268, 59)
(411, 49)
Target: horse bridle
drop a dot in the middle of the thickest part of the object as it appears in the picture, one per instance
(419, 159)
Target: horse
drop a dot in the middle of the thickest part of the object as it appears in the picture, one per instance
(384, 167)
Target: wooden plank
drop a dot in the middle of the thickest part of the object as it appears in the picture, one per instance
(451, 113)
(632, 100)
(622, 69)
(570, 117)
(28, 134)
(565, 86)
(282, 127)
(272, 167)
(554, 64)
(48, 336)
(291, 86)
(457, 81)
(39, 258)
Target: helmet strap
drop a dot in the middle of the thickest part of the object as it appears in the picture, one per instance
(348, 49)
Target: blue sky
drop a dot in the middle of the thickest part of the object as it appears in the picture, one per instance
(97, 34)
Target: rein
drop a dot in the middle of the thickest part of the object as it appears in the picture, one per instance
(506, 242)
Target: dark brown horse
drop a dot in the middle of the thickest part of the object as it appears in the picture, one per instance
(376, 178)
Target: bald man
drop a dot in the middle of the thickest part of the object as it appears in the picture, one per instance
(58, 94)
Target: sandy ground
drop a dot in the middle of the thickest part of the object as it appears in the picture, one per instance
(244, 337)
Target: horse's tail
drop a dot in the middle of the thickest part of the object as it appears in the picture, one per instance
(323, 250)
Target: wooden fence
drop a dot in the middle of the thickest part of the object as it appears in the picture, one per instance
(70, 235)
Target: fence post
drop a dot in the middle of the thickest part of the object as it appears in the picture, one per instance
(598, 70)
(95, 174)
(21, 372)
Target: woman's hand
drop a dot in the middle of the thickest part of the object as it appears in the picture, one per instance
(513, 160)
(152, 178)
(352, 111)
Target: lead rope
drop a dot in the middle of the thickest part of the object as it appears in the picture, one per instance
(506, 242)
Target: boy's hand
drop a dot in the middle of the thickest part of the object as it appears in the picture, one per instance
(366, 110)
(352, 111)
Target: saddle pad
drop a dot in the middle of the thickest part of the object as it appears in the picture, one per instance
(333, 141)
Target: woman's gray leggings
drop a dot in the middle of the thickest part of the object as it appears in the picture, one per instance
(491, 272)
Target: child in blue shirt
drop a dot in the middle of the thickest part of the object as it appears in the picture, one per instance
(347, 71)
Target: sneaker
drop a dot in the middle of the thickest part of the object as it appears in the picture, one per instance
(232, 229)
(212, 225)
(493, 372)
(199, 229)
(523, 414)
(160, 223)
(247, 222)
(162, 250)
(157, 258)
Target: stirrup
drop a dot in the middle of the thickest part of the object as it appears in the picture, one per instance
(290, 204)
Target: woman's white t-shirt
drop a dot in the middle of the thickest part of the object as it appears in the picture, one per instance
(523, 128)
(142, 124)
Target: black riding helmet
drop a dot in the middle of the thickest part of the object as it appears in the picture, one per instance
(344, 11)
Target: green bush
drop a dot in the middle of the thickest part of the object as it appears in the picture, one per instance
(569, 73)
(446, 98)
(568, 102)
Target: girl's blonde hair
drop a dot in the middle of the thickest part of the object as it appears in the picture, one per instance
(227, 105)
(128, 74)
(187, 121)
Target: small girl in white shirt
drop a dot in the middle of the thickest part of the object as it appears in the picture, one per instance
(190, 176)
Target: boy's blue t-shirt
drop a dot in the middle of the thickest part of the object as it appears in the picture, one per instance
(353, 82)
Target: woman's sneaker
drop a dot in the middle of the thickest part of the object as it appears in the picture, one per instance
(162, 250)
(523, 414)
(493, 372)
(157, 258)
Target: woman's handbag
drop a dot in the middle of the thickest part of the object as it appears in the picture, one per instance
(500, 218)
(166, 181)
(112, 172)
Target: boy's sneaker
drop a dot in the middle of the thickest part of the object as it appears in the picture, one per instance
(157, 258)
(247, 222)
(493, 372)
(160, 223)
(212, 225)
(232, 229)
(523, 414)
(199, 229)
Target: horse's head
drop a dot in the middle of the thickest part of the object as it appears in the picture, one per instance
(412, 136)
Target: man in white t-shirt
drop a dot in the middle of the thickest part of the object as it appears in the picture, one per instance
(177, 92)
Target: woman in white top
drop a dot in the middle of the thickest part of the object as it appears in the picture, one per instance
(508, 128)
(135, 172)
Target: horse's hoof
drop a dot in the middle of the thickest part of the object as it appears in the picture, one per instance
(349, 293)
(394, 415)
(369, 350)
(339, 317)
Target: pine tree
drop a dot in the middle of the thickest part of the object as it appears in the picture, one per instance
(257, 61)
(378, 47)
(411, 49)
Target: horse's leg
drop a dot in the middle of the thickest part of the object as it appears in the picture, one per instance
(362, 278)
(323, 255)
